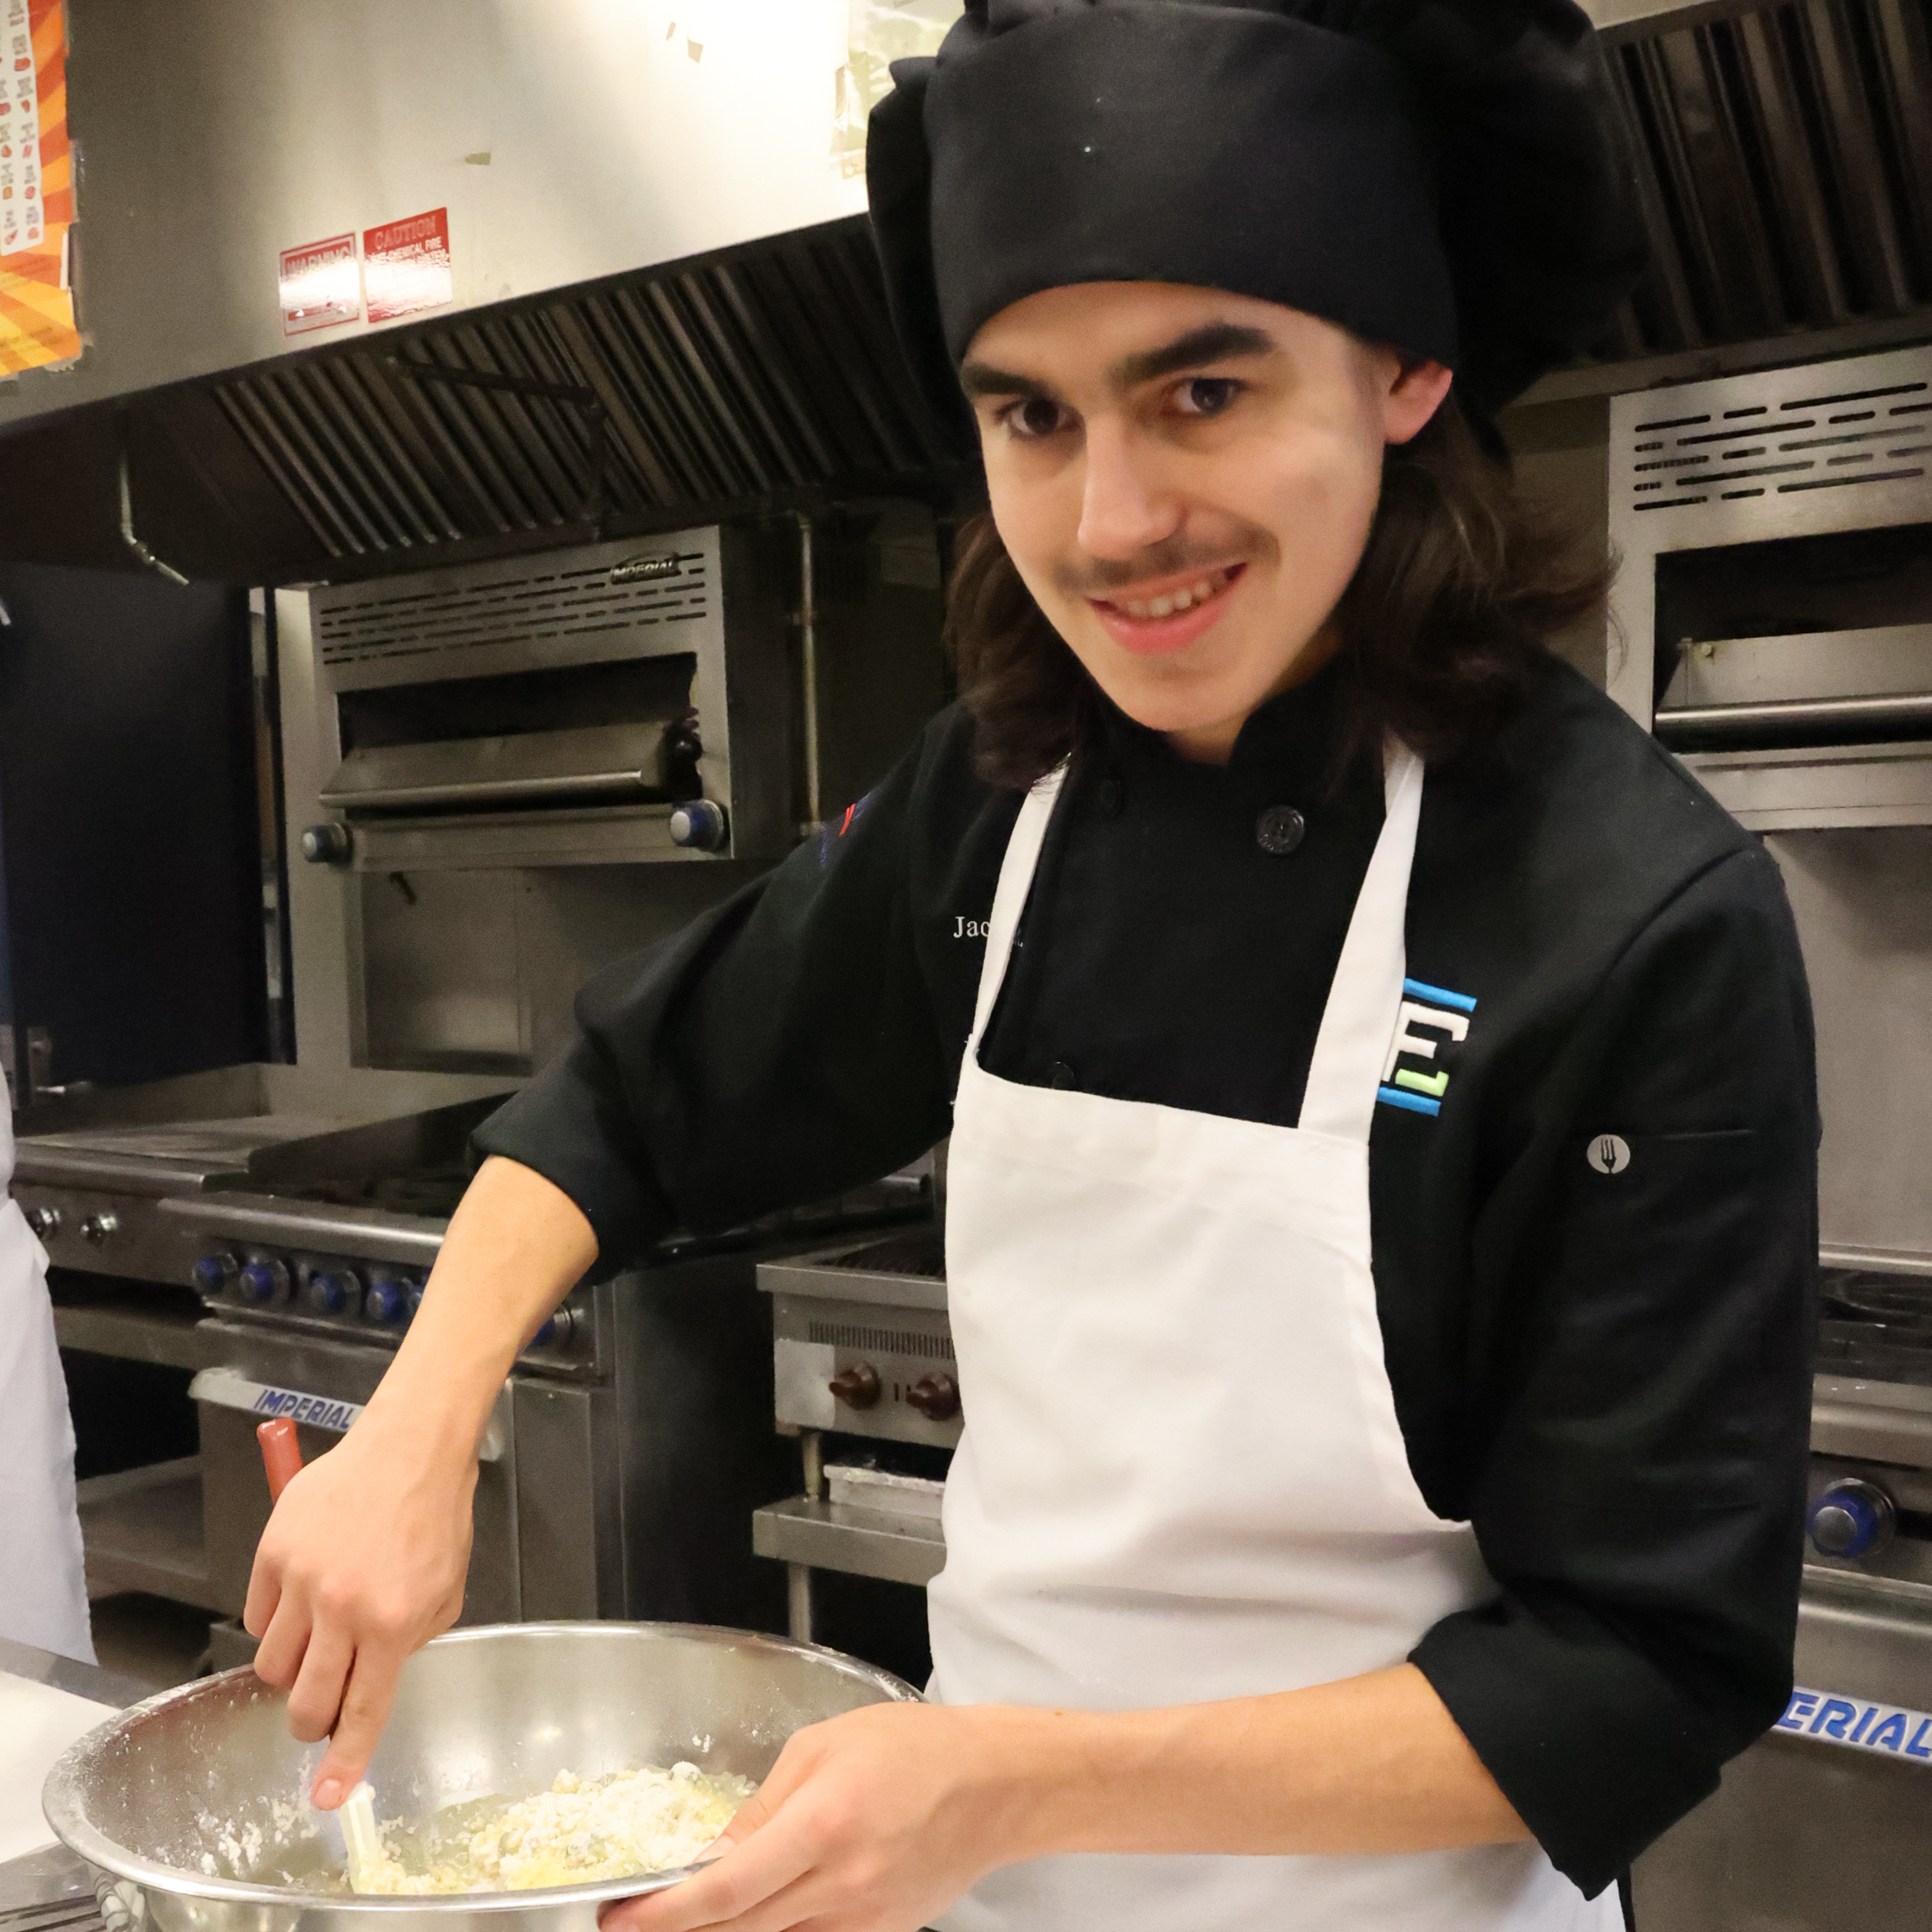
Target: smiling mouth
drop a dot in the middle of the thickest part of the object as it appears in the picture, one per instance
(1171, 603)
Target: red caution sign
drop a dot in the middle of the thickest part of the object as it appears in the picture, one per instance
(406, 266)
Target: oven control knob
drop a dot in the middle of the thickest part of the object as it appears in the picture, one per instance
(556, 1330)
(857, 1386)
(265, 1282)
(334, 1291)
(214, 1273)
(45, 1221)
(1852, 1518)
(700, 824)
(388, 1303)
(936, 1397)
(97, 1228)
(330, 843)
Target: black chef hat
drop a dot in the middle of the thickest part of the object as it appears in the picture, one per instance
(1447, 176)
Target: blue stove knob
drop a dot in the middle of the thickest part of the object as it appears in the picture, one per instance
(333, 1291)
(699, 825)
(1852, 1519)
(388, 1303)
(213, 1274)
(265, 1282)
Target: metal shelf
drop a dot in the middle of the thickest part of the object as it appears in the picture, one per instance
(142, 1529)
(1817, 788)
(897, 1549)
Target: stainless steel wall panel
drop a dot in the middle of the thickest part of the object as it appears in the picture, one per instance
(1863, 901)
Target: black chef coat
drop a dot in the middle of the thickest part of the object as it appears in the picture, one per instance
(1606, 1372)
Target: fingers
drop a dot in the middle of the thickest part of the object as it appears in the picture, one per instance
(316, 1694)
(746, 1889)
(265, 1592)
(371, 1691)
(278, 1657)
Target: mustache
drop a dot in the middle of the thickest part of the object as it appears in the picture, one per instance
(1095, 577)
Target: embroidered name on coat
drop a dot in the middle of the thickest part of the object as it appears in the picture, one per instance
(1430, 1015)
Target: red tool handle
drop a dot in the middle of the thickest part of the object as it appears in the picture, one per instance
(281, 1454)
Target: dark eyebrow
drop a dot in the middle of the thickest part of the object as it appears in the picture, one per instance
(1212, 342)
(982, 379)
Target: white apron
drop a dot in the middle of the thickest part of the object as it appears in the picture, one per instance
(42, 1587)
(1182, 1477)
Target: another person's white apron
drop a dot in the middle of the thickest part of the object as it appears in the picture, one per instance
(42, 1587)
(1182, 1477)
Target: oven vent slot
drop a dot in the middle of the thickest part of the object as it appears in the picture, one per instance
(881, 1341)
(1791, 444)
(535, 605)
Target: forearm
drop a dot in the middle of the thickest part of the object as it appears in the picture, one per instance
(1372, 1764)
(516, 1245)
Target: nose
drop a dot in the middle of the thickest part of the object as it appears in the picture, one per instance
(1124, 509)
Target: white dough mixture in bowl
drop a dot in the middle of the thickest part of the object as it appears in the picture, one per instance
(580, 1830)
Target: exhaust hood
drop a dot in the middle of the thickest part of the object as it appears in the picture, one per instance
(743, 361)
(1785, 163)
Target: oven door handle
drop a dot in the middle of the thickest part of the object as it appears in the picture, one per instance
(224, 1388)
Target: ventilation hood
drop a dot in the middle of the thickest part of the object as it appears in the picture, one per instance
(1784, 155)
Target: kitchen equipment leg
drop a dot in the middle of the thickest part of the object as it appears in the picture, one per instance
(798, 1601)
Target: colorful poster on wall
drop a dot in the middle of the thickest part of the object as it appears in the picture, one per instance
(406, 266)
(37, 211)
(878, 33)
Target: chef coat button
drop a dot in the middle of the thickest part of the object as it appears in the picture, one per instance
(1060, 1075)
(1280, 829)
(1107, 796)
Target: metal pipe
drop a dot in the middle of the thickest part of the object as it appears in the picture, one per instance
(486, 791)
(808, 632)
(1744, 720)
(134, 543)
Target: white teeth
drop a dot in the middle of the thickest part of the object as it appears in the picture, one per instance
(1179, 600)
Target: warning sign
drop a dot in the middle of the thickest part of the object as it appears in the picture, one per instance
(406, 266)
(320, 285)
(37, 322)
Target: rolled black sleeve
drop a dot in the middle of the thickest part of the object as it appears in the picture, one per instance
(1639, 1500)
(785, 1046)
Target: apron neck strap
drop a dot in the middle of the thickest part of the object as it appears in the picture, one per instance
(1010, 899)
(1365, 1001)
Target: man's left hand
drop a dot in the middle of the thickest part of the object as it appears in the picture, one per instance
(873, 1822)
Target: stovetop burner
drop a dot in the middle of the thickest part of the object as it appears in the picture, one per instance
(1876, 1326)
(432, 1192)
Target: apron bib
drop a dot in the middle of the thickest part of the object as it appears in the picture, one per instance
(1182, 1477)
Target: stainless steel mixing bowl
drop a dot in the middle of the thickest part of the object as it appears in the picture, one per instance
(209, 1772)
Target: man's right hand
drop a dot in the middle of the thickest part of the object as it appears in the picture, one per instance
(364, 1560)
(362, 1563)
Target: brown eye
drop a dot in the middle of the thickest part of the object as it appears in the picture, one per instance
(1036, 417)
(1207, 395)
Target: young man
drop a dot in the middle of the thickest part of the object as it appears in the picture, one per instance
(1381, 1206)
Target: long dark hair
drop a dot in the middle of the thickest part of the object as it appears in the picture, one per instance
(1444, 625)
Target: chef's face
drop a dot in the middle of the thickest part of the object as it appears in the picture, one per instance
(1185, 480)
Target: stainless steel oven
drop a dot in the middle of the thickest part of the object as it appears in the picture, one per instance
(1773, 626)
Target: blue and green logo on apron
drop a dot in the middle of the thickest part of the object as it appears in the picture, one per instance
(1441, 1016)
